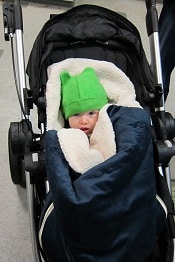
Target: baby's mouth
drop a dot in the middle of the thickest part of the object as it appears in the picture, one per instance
(85, 130)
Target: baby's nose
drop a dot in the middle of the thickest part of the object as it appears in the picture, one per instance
(84, 120)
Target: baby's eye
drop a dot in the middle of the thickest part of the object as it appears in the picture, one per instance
(91, 113)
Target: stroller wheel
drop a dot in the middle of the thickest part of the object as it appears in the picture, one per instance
(16, 162)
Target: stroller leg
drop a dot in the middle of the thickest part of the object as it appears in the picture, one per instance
(32, 220)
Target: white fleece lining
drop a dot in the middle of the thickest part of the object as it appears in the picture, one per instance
(77, 151)
(81, 153)
(118, 87)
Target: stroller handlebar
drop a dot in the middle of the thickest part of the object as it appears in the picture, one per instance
(12, 18)
(151, 17)
(18, 21)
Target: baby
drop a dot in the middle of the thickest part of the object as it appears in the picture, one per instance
(82, 96)
(83, 99)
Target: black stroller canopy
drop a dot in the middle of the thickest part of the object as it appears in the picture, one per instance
(93, 32)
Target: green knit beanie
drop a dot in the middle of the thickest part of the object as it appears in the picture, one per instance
(81, 93)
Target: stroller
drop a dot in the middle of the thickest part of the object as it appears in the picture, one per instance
(60, 42)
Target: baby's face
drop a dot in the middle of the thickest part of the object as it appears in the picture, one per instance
(84, 121)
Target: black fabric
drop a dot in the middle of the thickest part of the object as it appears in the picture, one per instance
(91, 32)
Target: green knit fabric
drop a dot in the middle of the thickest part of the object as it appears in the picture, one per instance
(81, 93)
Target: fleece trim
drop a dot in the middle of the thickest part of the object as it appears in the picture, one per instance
(80, 152)
(83, 153)
(117, 85)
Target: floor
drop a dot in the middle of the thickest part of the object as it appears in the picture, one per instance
(15, 242)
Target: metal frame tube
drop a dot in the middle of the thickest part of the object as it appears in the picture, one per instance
(30, 201)
(156, 65)
(20, 65)
(155, 57)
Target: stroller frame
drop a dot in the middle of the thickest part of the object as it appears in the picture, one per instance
(20, 151)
